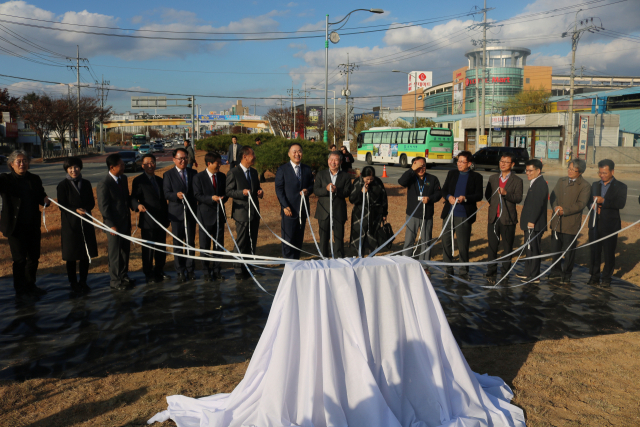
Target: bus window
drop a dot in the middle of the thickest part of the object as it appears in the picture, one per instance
(420, 136)
(386, 137)
(360, 139)
(377, 137)
(440, 132)
(368, 138)
(394, 136)
(412, 137)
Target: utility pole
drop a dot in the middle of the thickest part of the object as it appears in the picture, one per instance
(293, 109)
(193, 122)
(484, 67)
(304, 113)
(576, 33)
(102, 99)
(78, 70)
(347, 69)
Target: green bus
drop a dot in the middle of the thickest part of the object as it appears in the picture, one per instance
(398, 145)
(137, 140)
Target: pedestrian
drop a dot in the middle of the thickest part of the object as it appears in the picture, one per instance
(464, 186)
(293, 181)
(503, 215)
(209, 188)
(22, 195)
(78, 237)
(114, 202)
(258, 142)
(376, 209)
(568, 199)
(147, 198)
(332, 148)
(192, 155)
(422, 188)
(611, 196)
(234, 153)
(347, 159)
(178, 190)
(312, 139)
(533, 221)
(242, 183)
(339, 184)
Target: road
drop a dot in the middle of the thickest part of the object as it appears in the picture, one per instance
(630, 213)
(94, 169)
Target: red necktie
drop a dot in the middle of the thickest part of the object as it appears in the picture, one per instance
(215, 186)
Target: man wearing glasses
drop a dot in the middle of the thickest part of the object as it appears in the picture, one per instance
(464, 186)
(568, 199)
(422, 188)
(504, 192)
(533, 221)
(178, 187)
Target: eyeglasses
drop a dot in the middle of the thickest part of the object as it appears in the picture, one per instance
(21, 161)
(508, 162)
(529, 170)
(573, 170)
(180, 159)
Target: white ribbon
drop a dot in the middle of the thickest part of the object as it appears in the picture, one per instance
(390, 239)
(311, 228)
(331, 222)
(44, 218)
(134, 231)
(364, 195)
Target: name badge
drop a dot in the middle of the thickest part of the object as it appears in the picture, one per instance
(420, 198)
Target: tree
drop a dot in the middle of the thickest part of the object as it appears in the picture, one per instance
(535, 101)
(282, 120)
(8, 103)
(36, 111)
(63, 117)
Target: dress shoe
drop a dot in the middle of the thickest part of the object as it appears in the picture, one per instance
(217, 275)
(182, 278)
(594, 280)
(490, 276)
(192, 276)
(206, 277)
(120, 287)
(555, 275)
(449, 271)
(85, 288)
(531, 280)
(521, 276)
(75, 287)
(606, 282)
(37, 291)
(128, 281)
(162, 276)
(150, 280)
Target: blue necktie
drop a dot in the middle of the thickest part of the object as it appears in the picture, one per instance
(184, 178)
(248, 174)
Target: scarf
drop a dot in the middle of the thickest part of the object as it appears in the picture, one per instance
(76, 181)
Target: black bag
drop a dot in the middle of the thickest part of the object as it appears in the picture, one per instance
(385, 232)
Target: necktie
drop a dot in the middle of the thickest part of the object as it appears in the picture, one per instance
(215, 185)
(184, 177)
(298, 173)
(248, 175)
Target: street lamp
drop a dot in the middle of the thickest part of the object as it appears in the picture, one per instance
(334, 117)
(415, 92)
(326, 59)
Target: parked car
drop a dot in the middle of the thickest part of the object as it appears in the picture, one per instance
(168, 144)
(488, 158)
(132, 160)
(57, 147)
(144, 149)
(158, 148)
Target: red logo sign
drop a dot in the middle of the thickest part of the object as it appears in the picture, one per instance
(466, 82)
(422, 76)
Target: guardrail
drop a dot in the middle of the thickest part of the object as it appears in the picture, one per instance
(56, 154)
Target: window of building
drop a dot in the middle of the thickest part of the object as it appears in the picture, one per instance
(527, 80)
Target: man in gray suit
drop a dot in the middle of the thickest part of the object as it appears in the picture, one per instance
(503, 216)
(234, 154)
(339, 184)
(113, 202)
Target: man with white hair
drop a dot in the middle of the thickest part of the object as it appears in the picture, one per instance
(22, 195)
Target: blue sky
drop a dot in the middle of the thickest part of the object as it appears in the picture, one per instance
(266, 69)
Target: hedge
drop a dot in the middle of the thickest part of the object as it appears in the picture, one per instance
(272, 152)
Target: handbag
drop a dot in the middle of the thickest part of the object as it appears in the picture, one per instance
(385, 232)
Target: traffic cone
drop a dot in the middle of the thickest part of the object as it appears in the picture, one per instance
(384, 172)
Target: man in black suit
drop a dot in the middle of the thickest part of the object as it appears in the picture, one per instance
(114, 203)
(533, 221)
(293, 181)
(178, 186)
(503, 216)
(234, 153)
(334, 181)
(611, 196)
(465, 186)
(209, 187)
(243, 181)
(22, 195)
(147, 198)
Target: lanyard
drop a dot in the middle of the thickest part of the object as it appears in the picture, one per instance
(421, 188)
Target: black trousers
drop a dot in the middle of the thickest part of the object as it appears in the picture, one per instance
(463, 237)
(246, 237)
(25, 252)
(532, 266)
(217, 231)
(84, 271)
(149, 255)
(325, 238)
(607, 246)
(119, 250)
(184, 265)
(293, 232)
(562, 243)
(500, 236)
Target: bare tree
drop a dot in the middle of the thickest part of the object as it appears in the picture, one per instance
(36, 111)
(63, 117)
(282, 120)
(8, 103)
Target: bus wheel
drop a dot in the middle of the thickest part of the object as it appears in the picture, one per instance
(368, 159)
(403, 161)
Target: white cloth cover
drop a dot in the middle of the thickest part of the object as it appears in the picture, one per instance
(355, 342)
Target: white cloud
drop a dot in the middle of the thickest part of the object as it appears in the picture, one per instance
(292, 4)
(297, 46)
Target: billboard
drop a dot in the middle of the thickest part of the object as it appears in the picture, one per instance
(458, 98)
(148, 102)
(424, 80)
(583, 135)
(11, 130)
(314, 117)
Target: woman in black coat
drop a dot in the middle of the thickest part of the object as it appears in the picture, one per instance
(376, 209)
(77, 236)
(347, 159)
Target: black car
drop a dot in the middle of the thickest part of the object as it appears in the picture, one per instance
(488, 158)
(132, 160)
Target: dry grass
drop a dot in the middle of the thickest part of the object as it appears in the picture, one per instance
(586, 382)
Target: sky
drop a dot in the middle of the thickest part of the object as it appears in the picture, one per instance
(225, 61)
